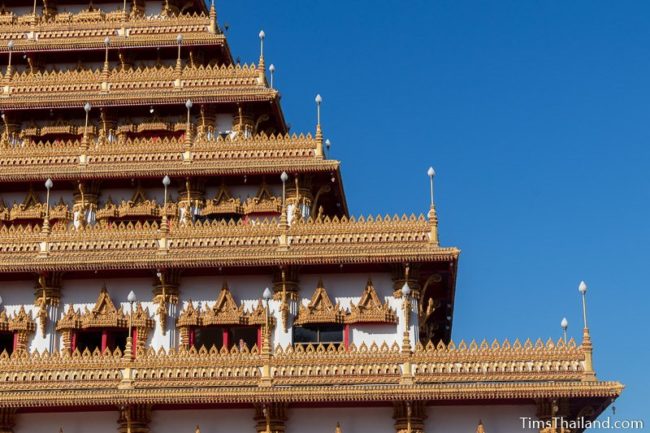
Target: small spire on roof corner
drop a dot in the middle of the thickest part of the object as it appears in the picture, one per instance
(319, 131)
(433, 216)
(213, 18)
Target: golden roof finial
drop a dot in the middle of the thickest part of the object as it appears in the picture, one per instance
(433, 216)
(480, 428)
(587, 348)
(319, 132)
(338, 428)
(198, 429)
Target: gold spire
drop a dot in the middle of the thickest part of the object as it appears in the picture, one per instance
(433, 216)
(587, 348)
(338, 428)
(213, 19)
(480, 428)
(319, 132)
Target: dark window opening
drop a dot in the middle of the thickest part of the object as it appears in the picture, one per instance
(319, 333)
(243, 335)
(7, 342)
(101, 339)
(208, 337)
(219, 337)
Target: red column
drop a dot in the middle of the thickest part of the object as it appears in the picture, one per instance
(346, 336)
(192, 337)
(134, 341)
(73, 341)
(104, 340)
(259, 338)
(225, 339)
(15, 343)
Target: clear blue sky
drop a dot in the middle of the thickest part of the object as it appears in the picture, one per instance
(535, 116)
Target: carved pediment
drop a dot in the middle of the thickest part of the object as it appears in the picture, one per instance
(104, 314)
(223, 203)
(4, 321)
(320, 309)
(225, 311)
(22, 321)
(109, 210)
(70, 320)
(370, 309)
(141, 317)
(190, 316)
(258, 316)
(263, 202)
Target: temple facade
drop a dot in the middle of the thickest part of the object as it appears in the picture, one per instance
(172, 259)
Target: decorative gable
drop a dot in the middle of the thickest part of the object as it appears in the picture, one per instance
(370, 309)
(320, 309)
(225, 311)
(104, 314)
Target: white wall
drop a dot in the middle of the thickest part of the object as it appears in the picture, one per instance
(209, 420)
(352, 420)
(496, 418)
(71, 422)
(440, 419)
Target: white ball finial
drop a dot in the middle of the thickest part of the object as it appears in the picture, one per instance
(284, 177)
(87, 107)
(564, 323)
(188, 104)
(166, 181)
(406, 290)
(431, 172)
(179, 39)
(319, 99)
(10, 45)
(49, 184)
(107, 41)
(328, 143)
(582, 288)
(267, 294)
(272, 68)
(131, 297)
(262, 35)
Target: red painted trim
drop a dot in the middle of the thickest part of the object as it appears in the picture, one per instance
(73, 340)
(15, 343)
(259, 338)
(225, 338)
(192, 337)
(346, 336)
(104, 340)
(134, 340)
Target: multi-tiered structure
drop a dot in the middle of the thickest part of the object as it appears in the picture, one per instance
(150, 192)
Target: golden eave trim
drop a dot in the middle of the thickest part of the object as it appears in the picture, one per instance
(313, 394)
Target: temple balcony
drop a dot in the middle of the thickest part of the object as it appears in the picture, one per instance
(469, 372)
(87, 30)
(220, 243)
(125, 158)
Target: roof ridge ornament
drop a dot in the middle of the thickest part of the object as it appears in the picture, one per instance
(319, 132)
(433, 216)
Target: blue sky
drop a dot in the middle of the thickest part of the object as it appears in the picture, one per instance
(535, 116)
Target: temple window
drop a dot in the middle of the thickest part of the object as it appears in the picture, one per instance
(105, 327)
(319, 333)
(15, 332)
(6, 342)
(321, 321)
(225, 325)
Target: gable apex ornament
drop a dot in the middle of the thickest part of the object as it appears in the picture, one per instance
(320, 309)
(370, 309)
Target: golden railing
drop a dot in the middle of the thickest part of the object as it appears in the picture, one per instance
(226, 155)
(299, 365)
(73, 88)
(89, 29)
(143, 245)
